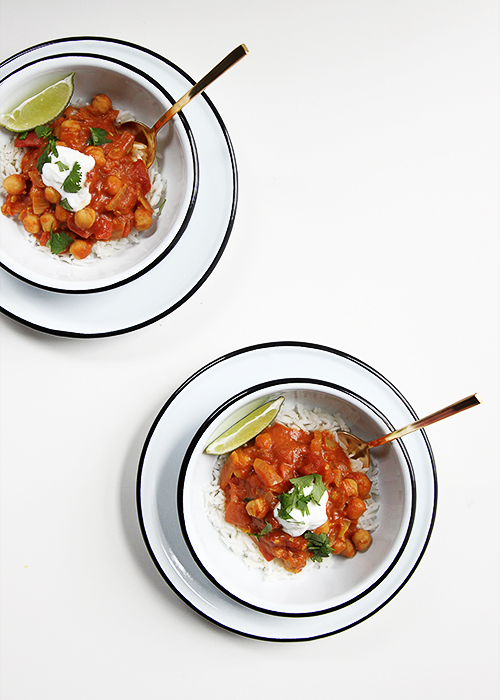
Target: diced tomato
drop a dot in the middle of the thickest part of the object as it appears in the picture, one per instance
(31, 141)
(226, 473)
(102, 229)
(142, 177)
(236, 514)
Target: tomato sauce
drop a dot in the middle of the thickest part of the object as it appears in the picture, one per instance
(118, 183)
(254, 475)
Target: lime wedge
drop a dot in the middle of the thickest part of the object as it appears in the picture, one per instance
(41, 108)
(246, 428)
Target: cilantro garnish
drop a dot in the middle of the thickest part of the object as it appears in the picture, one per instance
(23, 135)
(44, 132)
(267, 528)
(44, 158)
(297, 499)
(319, 545)
(73, 182)
(61, 166)
(58, 242)
(65, 204)
(98, 137)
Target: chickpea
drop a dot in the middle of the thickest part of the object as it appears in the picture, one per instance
(52, 195)
(85, 218)
(361, 540)
(61, 213)
(338, 545)
(97, 154)
(71, 125)
(113, 185)
(355, 508)
(257, 508)
(31, 223)
(48, 222)
(364, 484)
(14, 184)
(349, 549)
(143, 219)
(80, 249)
(101, 103)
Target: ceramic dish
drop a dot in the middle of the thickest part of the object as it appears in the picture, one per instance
(179, 274)
(339, 581)
(131, 90)
(179, 422)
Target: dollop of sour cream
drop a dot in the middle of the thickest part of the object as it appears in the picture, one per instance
(300, 522)
(54, 175)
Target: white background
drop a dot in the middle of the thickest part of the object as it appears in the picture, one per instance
(366, 138)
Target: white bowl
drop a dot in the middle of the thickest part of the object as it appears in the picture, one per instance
(317, 589)
(129, 89)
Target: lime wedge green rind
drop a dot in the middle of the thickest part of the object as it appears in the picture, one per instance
(41, 108)
(246, 428)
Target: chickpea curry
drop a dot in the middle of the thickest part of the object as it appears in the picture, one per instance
(257, 479)
(117, 181)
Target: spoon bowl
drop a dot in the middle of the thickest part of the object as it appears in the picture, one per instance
(147, 135)
(358, 449)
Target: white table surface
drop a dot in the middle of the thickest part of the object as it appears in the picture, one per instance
(366, 138)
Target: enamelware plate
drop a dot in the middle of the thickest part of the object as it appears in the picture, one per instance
(188, 264)
(168, 442)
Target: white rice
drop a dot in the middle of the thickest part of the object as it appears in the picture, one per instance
(245, 546)
(10, 164)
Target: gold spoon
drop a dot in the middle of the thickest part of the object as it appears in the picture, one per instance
(357, 449)
(147, 135)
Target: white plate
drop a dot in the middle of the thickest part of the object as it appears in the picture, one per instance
(174, 279)
(179, 421)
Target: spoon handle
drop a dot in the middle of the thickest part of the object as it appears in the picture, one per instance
(470, 401)
(236, 55)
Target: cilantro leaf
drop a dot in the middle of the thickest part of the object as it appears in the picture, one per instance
(58, 242)
(52, 146)
(73, 182)
(303, 481)
(318, 488)
(44, 158)
(43, 131)
(61, 166)
(23, 135)
(297, 499)
(318, 545)
(314, 480)
(98, 137)
(267, 528)
(287, 504)
(65, 204)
